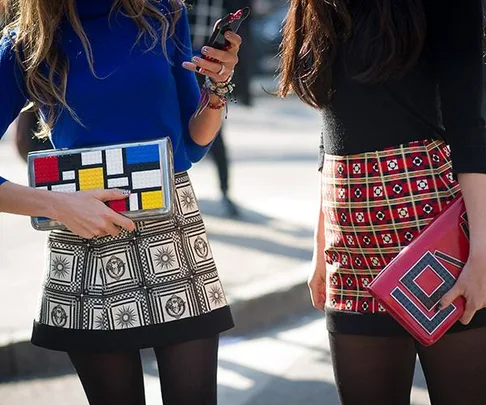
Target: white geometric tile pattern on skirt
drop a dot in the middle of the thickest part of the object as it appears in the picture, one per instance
(162, 272)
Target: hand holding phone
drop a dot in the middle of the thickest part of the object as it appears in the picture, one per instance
(220, 55)
(230, 22)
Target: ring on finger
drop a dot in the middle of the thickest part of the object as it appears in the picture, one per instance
(222, 70)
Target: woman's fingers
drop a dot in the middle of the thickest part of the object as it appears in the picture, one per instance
(217, 64)
(211, 67)
(317, 289)
(88, 216)
(224, 56)
(469, 312)
(109, 195)
(215, 77)
(111, 229)
(234, 39)
(122, 221)
(456, 291)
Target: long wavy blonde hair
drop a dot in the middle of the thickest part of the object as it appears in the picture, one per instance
(36, 23)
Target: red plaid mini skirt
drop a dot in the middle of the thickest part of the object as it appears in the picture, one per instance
(374, 205)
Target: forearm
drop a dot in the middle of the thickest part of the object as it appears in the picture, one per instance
(204, 127)
(473, 187)
(21, 200)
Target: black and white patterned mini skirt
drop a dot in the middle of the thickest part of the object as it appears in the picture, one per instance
(155, 286)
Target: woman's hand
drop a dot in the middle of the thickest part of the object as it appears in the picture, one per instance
(471, 284)
(85, 214)
(222, 63)
(317, 280)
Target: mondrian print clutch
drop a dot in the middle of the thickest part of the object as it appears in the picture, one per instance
(144, 168)
(416, 279)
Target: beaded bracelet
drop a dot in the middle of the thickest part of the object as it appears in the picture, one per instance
(222, 90)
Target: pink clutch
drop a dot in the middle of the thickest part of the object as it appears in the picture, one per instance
(413, 283)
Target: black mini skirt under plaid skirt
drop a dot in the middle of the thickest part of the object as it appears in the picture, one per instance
(155, 286)
(374, 205)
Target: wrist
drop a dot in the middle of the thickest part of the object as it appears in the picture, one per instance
(54, 202)
(216, 103)
(477, 255)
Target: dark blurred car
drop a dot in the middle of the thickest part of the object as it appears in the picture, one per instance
(266, 31)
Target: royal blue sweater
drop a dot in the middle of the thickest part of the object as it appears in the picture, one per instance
(137, 96)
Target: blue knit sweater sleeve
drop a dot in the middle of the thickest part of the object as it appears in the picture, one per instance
(12, 91)
(187, 87)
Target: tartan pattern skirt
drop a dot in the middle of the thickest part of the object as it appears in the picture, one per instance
(374, 205)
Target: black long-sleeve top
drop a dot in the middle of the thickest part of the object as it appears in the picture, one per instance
(440, 97)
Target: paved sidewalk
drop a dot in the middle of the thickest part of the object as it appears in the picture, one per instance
(288, 364)
(261, 257)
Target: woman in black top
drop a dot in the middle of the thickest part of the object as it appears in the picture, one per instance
(399, 84)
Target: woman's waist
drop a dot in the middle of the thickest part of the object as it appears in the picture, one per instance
(392, 164)
(382, 148)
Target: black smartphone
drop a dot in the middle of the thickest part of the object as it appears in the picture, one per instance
(230, 22)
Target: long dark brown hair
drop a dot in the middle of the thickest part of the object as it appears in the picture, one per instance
(378, 39)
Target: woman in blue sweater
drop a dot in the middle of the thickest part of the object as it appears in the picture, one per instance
(106, 72)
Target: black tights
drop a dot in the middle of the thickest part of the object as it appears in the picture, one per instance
(379, 370)
(187, 374)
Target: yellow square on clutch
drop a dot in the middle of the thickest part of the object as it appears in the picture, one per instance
(90, 179)
(152, 200)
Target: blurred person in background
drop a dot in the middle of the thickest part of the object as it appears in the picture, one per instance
(105, 72)
(399, 84)
(202, 16)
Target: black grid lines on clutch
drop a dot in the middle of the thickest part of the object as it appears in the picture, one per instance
(174, 301)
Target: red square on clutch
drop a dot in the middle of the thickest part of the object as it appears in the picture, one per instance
(46, 170)
(416, 279)
(429, 281)
(118, 205)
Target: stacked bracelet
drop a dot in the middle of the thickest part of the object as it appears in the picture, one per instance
(222, 90)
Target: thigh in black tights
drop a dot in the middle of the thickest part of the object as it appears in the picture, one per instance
(187, 374)
(379, 370)
(111, 378)
(455, 368)
(373, 370)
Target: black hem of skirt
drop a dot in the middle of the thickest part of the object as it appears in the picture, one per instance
(356, 323)
(183, 330)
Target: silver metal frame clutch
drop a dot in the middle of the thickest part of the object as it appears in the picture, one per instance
(144, 168)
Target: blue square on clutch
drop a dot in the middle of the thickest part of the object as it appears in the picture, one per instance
(142, 154)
